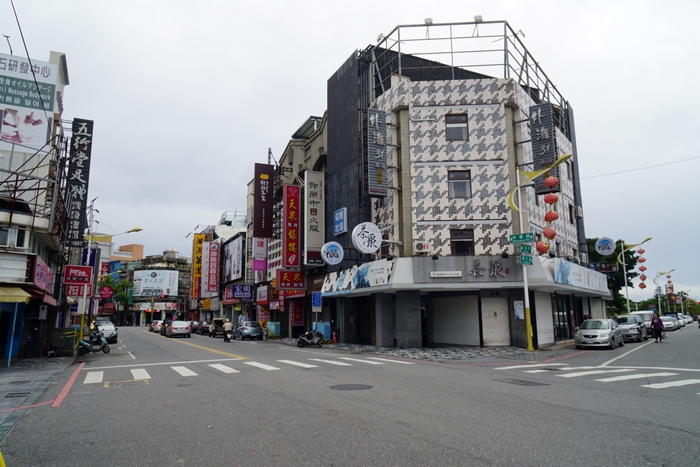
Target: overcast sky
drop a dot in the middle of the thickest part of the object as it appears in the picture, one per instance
(187, 96)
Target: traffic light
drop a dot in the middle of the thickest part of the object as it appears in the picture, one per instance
(162, 295)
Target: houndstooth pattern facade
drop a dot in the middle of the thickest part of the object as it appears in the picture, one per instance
(485, 155)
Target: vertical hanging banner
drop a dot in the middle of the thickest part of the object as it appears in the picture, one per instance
(213, 267)
(197, 253)
(374, 157)
(314, 220)
(296, 313)
(544, 145)
(292, 226)
(78, 179)
(262, 200)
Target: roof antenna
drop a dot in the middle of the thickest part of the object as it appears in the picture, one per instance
(8, 42)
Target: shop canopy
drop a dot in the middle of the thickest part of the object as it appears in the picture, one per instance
(13, 295)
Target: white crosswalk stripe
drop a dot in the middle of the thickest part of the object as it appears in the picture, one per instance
(534, 365)
(593, 372)
(672, 384)
(223, 368)
(140, 373)
(332, 362)
(262, 366)
(303, 365)
(184, 371)
(392, 361)
(94, 377)
(638, 376)
(361, 361)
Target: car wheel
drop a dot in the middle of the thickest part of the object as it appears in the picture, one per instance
(612, 343)
(622, 342)
(260, 337)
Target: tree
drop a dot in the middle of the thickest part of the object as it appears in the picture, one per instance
(617, 279)
(121, 290)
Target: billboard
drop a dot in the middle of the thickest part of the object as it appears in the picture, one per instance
(197, 245)
(544, 145)
(78, 179)
(234, 259)
(291, 228)
(314, 220)
(263, 200)
(155, 282)
(374, 154)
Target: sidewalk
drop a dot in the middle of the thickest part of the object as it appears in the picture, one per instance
(23, 383)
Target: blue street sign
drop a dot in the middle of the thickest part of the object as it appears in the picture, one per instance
(316, 299)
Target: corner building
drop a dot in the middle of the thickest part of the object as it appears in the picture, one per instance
(459, 112)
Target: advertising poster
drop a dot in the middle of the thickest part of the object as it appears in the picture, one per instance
(291, 227)
(314, 220)
(263, 200)
(296, 313)
(233, 260)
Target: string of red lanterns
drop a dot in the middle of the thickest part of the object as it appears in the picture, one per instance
(642, 268)
(550, 216)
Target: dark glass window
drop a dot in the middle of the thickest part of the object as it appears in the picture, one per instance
(462, 242)
(456, 128)
(460, 184)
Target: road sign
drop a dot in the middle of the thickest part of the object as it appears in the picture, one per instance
(527, 237)
(526, 249)
(526, 260)
(316, 302)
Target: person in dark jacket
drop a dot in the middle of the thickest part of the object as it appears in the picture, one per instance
(657, 326)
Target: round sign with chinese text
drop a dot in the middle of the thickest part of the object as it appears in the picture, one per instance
(106, 292)
(605, 246)
(366, 237)
(332, 253)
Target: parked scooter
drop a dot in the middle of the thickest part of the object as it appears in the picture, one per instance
(310, 337)
(96, 343)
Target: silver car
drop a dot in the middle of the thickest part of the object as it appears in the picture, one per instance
(599, 333)
(178, 328)
(633, 327)
(248, 329)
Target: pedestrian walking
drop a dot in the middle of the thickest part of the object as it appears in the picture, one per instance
(657, 326)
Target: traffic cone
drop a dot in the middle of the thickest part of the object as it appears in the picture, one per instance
(335, 341)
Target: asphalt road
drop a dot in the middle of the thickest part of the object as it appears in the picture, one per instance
(155, 401)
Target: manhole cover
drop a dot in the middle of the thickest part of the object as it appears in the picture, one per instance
(351, 387)
(521, 382)
(16, 394)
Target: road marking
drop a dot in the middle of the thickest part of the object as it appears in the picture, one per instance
(303, 365)
(625, 354)
(166, 363)
(332, 362)
(392, 361)
(64, 392)
(184, 371)
(262, 366)
(361, 361)
(672, 384)
(224, 368)
(132, 355)
(639, 376)
(527, 365)
(94, 377)
(201, 347)
(592, 372)
(140, 373)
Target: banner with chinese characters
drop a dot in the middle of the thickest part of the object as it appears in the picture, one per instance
(263, 200)
(213, 267)
(314, 220)
(78, 179)
(544, 145)
(290, 279)
(296, 313)
(197, 245)
(374, 154)
(291, 226)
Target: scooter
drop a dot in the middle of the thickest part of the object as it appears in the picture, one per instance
(228, 335)
(97, 342)
(310, 337)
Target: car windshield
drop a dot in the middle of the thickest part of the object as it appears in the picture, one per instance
(253, 324)
(626, 320)
(645, 316)
(667, 318)
(106, 327)
(595, 324)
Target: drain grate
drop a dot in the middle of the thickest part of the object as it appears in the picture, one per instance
(521, 382)
(16, 394)
(351, 387)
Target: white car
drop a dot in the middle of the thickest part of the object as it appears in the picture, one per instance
(688, 319)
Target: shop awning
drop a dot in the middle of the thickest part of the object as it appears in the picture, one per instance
(13, 295)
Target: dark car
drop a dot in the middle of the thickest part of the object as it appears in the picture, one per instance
(249, 329)
(194, 325)
(633, 327)
(203, 327)
(109, 331)
(167, 322)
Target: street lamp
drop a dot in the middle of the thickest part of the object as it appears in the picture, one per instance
(627, 247)
(658, 292)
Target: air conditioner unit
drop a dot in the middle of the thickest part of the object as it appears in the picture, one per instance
(578, 212)
(583, 257)
(420, 247)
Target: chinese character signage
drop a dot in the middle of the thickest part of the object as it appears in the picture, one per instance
(77, 275)
(314, 221)
(197, 245)
(43, 276)
(262, 200)
(289, 279)
(291, 228)
(213, 266)
(340, 224)
(78, 178)
(544, 145)
(155, 282)
(366, 237)
(374, 159)
(296, 313)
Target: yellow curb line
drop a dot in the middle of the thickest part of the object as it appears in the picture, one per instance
(220, 352)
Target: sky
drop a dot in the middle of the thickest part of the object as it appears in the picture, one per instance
(187, 96)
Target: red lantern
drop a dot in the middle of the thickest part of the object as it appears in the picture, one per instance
(551, 198)
(641, 259)
(669, 282)
(550, 181)
(643, 277)
(549, 232)
(642, 268)
(642, 285)
(542, 247)
(668, 277)
(551, 216)
(640, 251)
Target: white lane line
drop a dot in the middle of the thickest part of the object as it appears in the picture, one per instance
(392, 361)
(639, 376)
(625, 354)
(94, 377)
(592, 372)
(224, 368)
(132, 355)
(262, 365)
(360, 361)
(332, 362)
(537, 371)
(140, 373)
(164, 363)
(303, 365)
(527, 365)
(672, 384)
(184, 371)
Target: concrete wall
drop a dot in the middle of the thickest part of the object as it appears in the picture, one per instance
(494, 321)
(385, 319)
(545, 326)
(408, 326)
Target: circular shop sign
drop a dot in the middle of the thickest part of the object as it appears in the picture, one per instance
(366, 237)
(605, 246)
(106, 291)
(332, 253)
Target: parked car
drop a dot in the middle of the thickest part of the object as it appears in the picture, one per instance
(599, 333)
(203, 327)
(646, 315)
(156, 325)
(194, 325)
(178, 328)
(670, 323)
(633, 327)
(248, 329)
(688, 319)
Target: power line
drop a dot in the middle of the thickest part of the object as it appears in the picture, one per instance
(641, 168)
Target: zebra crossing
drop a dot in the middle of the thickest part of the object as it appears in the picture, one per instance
(142, 374)
(606, 375)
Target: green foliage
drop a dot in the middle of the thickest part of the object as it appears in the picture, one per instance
(616, 280)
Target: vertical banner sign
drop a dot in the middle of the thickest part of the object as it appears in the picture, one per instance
(375, 158)
(197, 245)
(213, 271)
(77, 180)
(544, 145)
(259, 259)
(262, 200)
(314, 220)
(296, 313)
(292, 226)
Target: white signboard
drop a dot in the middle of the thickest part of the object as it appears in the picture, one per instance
(332, 253)
(155, 283)
(366, 237)
(572, 274)
(605, 246)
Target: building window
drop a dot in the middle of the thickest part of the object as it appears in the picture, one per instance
(456, 127)
(13, 237)
(460, 184)
(462, 242)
